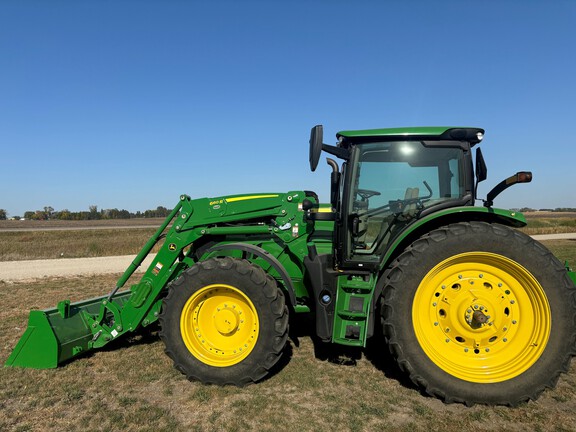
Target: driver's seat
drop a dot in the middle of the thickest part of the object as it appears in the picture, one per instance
(411, 209)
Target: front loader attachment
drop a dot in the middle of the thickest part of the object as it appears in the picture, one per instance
(59, 334)
(69, 330)
(56, 335)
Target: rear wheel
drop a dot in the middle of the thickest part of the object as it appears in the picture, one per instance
(490, 314)
(224, 321)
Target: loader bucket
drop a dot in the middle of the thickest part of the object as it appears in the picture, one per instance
(56, 335)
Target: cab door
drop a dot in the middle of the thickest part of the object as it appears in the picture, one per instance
(388, 187)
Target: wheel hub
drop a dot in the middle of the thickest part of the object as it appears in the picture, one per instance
(486, 304)
(226, 320)
(477, 320)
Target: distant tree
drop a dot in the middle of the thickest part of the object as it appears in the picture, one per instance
(93, 213)
(527, 209)
(159, 212)
(29, 215)
(38, 215)
(3, 214)
(64, 215)
(117, 214)
(48, 212)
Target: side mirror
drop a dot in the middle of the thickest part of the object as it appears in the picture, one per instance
(481, 170)
(316, 137)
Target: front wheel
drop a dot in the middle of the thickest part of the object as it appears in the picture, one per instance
(224, 321)
(479, 313)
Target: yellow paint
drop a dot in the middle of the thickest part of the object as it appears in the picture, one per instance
(507, 335)
(249, 197)
(219, 325)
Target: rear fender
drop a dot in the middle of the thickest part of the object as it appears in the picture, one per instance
(446, 217)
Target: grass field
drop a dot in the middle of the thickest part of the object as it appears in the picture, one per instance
(25, 240)
(550, 223)
(49, 244)
(132, 385)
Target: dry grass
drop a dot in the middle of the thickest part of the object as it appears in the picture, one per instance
(49, 244)
(26, 240)
(132, 386)
(10, 225)
(550, 223)
(564, 250)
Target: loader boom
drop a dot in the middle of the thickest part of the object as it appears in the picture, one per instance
(59, 334)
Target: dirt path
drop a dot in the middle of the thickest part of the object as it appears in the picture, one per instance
(35, 269)
(566, 236)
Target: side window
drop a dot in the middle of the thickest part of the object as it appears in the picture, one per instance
(394, 182)
(393, 179)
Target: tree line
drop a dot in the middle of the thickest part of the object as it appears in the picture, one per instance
(554, 210)
(48, 213)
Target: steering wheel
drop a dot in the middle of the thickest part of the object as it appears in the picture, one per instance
(367, 193)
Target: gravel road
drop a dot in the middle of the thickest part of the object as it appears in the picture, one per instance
(34, 269)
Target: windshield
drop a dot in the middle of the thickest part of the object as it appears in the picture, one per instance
(394, 182)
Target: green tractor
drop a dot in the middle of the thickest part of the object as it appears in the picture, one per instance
(471, 309)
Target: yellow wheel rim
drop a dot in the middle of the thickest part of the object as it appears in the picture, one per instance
(481, 317)
(219, 325)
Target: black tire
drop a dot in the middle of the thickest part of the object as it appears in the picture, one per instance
(224, 321)
(517, 322)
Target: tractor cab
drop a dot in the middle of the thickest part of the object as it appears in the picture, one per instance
(391, 178)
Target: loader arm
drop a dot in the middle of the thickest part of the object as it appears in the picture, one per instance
(59, 334)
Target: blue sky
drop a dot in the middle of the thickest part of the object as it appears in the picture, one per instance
(128, 104)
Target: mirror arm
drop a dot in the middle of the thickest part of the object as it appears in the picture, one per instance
(519, 177)
(339, 152)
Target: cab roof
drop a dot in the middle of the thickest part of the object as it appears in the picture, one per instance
(471, 134)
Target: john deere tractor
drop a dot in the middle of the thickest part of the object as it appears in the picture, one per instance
(471, 309)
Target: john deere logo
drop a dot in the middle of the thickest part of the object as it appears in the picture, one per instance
(172, 247)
